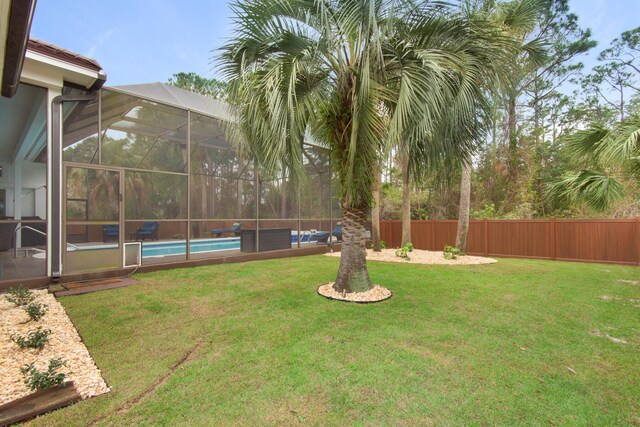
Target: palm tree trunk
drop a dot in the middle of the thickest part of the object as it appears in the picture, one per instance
(406, 201)
(513, 139)
(239, 190)
(494, 131)
(463, 210)
(536, 122)
(204, 194)
(283, 198)
(352, 273)
(375, 212)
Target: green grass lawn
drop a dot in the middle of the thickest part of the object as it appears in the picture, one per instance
(511, 343)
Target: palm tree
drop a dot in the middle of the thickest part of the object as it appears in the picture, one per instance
(604, 153)
(362, 76)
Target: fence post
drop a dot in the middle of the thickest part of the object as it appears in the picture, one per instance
(485, 242)
(552, 238)
(433, 235)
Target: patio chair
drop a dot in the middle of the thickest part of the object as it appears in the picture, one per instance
(110, 232)
(235, 229)
(323, 236)
(149, 230)
(337, 232)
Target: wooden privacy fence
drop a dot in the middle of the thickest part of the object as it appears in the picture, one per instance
(588, 240)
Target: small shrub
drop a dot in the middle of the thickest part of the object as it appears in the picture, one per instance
(383, 245)
(451, 252)
(36, 310)
(37, 380)
(419, 213)
(35, 338)
(403, 252)
(488, 212)
(20, 296)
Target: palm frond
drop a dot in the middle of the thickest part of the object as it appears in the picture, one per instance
(622, 144)
(586, 145)
(592, 188)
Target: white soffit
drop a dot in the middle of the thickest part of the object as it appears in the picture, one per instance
(43, 69)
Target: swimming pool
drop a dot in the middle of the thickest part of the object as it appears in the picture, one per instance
(160, 249)
(178, 247)
(173, 247)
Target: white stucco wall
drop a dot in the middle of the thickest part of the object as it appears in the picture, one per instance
(34, 193)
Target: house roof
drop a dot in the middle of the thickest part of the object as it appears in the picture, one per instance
(171, 95)
(53, 51)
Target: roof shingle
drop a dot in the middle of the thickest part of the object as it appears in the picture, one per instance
(65, 55)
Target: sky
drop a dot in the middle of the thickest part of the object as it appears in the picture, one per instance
(143, 41)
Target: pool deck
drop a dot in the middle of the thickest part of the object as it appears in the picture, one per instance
(20, 267)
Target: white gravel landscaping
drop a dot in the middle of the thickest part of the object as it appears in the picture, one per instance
(375, 294)
(419, 256)
(64, 342)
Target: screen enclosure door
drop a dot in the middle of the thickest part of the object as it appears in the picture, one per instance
(93, 219)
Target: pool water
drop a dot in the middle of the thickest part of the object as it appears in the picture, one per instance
(160, 249)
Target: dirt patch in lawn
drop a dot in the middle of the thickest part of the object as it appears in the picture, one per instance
(598, 333)
(419, 256)
(64, 342)
(629, 282)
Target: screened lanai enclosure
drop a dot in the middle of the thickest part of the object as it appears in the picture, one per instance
(148, 176)
(23, 183)
(152, 164)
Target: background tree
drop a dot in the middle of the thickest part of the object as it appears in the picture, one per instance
(193, 82)
(610, 156)
(533, 83)
(615, 81)
(604, 168)
(476, 125)
(546, 115)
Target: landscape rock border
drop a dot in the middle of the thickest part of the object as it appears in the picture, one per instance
(376, 294)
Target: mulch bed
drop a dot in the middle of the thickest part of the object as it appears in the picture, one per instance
(64, 342)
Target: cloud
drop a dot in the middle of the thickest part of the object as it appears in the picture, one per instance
(100, 40)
